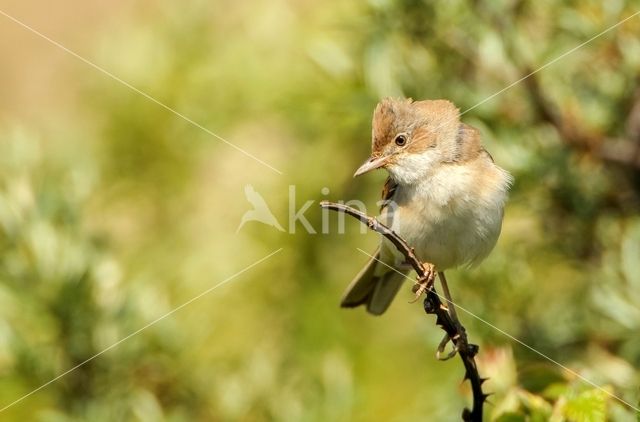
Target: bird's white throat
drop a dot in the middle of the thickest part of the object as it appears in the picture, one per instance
(411, 169)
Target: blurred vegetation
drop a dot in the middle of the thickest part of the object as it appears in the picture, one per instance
(113, 218)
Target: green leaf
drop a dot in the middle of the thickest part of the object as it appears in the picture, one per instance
(588, 406)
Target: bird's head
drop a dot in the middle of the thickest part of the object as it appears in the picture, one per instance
(410, 137)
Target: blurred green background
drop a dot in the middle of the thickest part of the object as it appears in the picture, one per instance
(114, 211)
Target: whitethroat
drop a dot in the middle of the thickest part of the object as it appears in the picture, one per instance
(444, 196)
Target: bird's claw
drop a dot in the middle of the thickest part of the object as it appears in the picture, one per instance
(443, 344)
(423, 283)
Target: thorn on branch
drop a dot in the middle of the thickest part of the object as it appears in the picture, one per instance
(474, 349)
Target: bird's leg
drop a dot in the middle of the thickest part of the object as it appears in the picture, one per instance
(451, 309)
(424, 282)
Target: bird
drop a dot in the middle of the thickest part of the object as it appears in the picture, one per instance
(260, 211)
(444, 195)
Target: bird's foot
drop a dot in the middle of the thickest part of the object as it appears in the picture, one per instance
(443, 344)
(425, 282)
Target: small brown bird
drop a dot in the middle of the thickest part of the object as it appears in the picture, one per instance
(444, 195)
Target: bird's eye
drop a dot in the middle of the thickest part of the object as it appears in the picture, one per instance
(401, 140)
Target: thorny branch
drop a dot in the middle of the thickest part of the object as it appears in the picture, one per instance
(432, 305)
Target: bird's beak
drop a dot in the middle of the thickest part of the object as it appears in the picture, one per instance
(371, 164)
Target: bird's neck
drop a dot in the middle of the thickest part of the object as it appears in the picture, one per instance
(414, 168)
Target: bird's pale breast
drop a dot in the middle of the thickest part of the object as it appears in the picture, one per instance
(453, 217)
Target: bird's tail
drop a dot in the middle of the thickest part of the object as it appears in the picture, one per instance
(373, 287)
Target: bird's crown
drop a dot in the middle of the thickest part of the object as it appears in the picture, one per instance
(439, 118)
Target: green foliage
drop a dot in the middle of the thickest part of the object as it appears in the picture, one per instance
(586, 406)
(111, 219)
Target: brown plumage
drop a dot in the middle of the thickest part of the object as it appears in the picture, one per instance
(444, 195)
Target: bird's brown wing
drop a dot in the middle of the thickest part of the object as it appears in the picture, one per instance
(388, 190)
(376, 291)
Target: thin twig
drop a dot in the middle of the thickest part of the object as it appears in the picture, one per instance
(432, 305)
